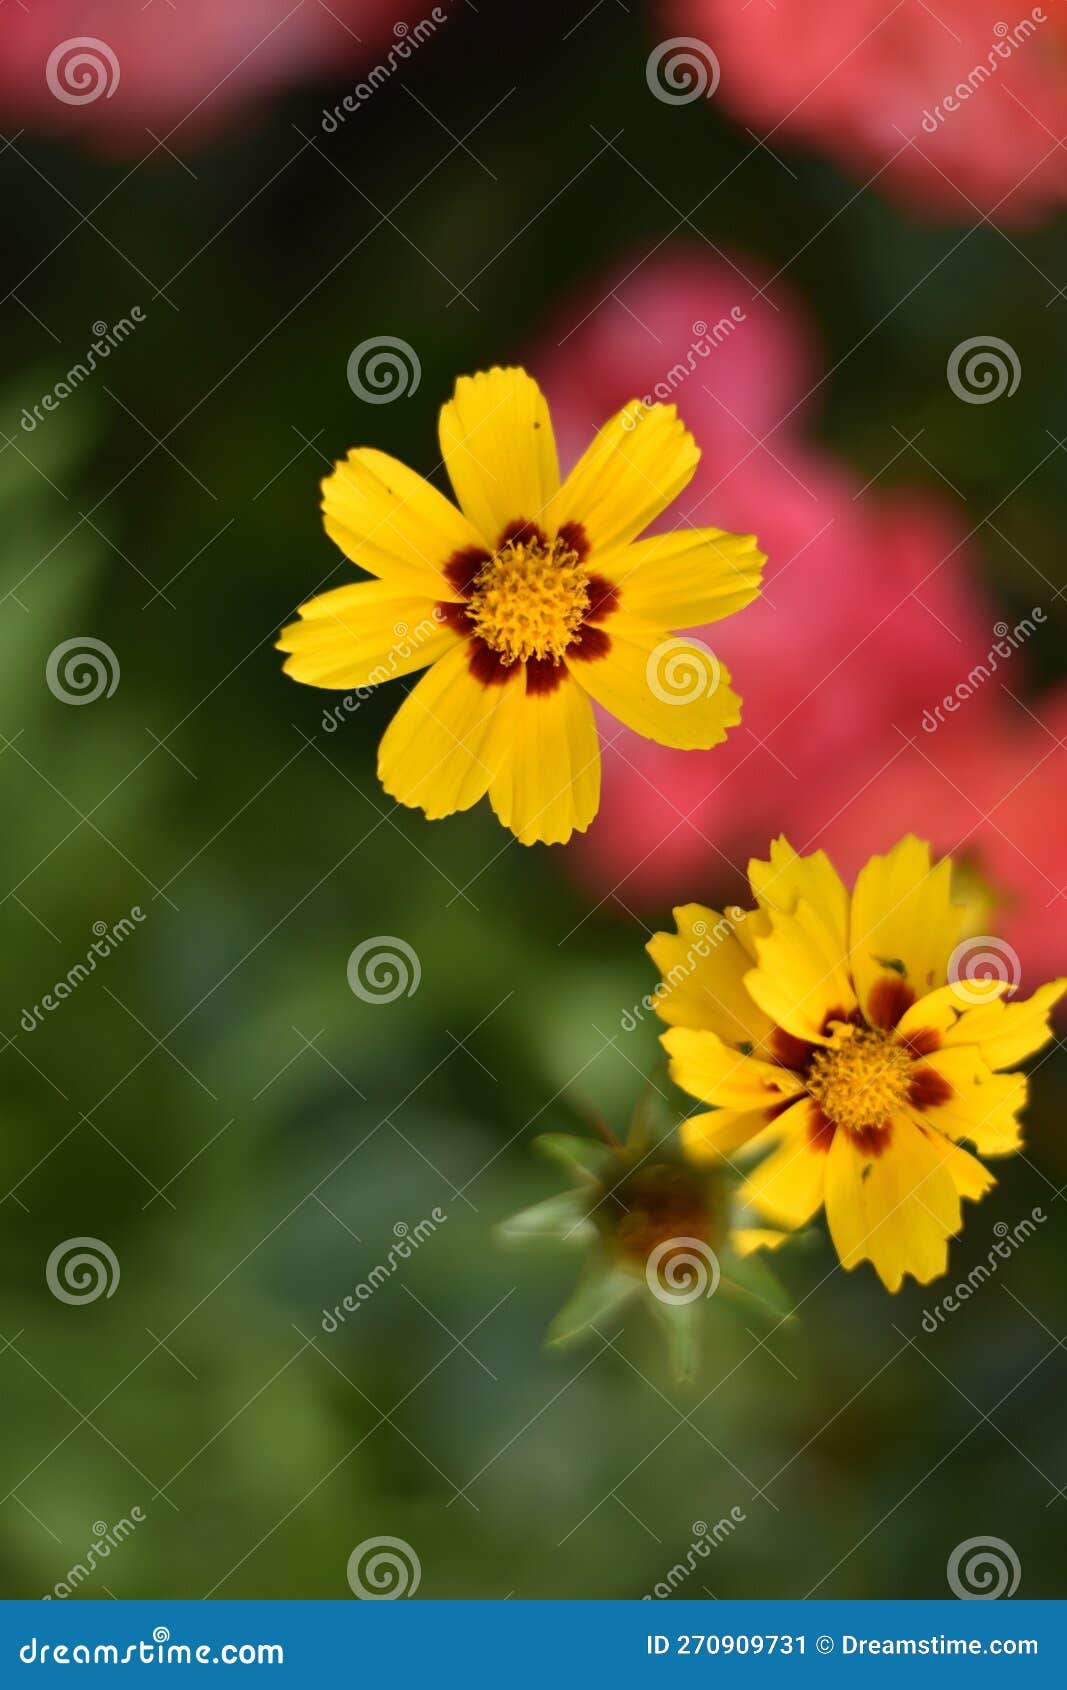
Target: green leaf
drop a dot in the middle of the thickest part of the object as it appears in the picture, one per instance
(750, 1279)
(564, 1218)
(682, 1324)
(584, 1156)
(597, 1296)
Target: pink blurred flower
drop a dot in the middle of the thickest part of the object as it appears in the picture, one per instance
(122, 67)
(872, 613)
(958, 107)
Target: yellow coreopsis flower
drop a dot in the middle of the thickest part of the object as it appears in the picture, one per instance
(527, 602)
(846, 1040)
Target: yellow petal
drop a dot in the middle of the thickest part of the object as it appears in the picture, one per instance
(897, 1209)
(745, 1239)
(691, 576)
(702, 969)
(548, 783)
(1007, 1033)
(716, 1136)
(984, 1107)
(393, 523)
(970, 1178)
(363, 634)
(449, 737)
(707, 1068)
(787, 877)
(634, 468)
(940, 1010)
(905, 927)
(788, 1185)
(498, 445)
(665, 687)
(802, 981)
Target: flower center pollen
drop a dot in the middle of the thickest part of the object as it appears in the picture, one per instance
(529, 600)
(861, 1080)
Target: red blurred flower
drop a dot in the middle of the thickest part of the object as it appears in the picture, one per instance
(870, 617)
(958, 107)
(111, 69)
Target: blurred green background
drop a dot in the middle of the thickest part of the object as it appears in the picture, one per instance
(214, 1102)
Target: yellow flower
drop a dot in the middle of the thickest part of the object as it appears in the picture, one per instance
(527, 602)
(838, 1037)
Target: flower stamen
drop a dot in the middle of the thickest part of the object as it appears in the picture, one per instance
(529, 600)
(861, 1080)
